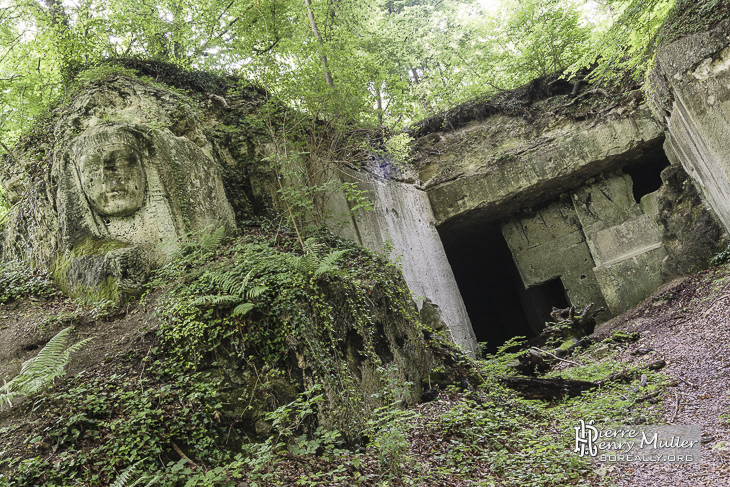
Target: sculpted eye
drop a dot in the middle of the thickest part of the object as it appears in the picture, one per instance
(91, 161)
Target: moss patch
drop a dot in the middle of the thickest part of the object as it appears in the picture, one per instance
(689, 17)
(88, 253)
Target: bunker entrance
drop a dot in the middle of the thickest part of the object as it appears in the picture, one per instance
(497, 302)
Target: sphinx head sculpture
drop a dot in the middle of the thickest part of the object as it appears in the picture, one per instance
(111, 171)
(126, 193)
(132, 172)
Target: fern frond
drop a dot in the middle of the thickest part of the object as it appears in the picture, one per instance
(292, 260)
(151, 483)
(7, 397)
(311, 245)
(209, 241)
(242, 309)
(75, 348)
(244, 284)
(255, 292)
(44, 368)
(216, 300)
(333, 257)
(124, 477)
(307, 263)
(327, 265)
(52, 351)
(225, 281)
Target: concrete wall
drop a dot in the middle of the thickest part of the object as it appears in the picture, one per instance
(403, 217)
(553, 162)
(691, 92)
(624, 242)
(598, 241)
(550, 243)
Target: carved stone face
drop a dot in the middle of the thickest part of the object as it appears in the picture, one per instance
(113, 177)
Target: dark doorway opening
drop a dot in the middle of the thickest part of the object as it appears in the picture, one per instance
(646, 172)
(546, 296)
(498, 304)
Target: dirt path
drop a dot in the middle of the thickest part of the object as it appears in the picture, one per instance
(686, 323)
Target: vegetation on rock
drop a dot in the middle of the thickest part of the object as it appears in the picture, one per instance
(165, 414)
(282, 354)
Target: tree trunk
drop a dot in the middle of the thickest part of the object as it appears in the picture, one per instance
(379, 106)
(322, 56)
(547, 389)
(557, 388)
(61, 23)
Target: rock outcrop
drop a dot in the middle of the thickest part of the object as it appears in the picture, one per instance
(690, 96)
(130, 173)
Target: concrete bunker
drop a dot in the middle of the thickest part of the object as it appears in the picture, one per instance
(589, 210)
(597, 242)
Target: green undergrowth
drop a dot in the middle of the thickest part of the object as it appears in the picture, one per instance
(93, 432)
(247, 356)
(266, 294)
(90, 429)
(533, 440)
(252, 358)
(19, 280)
(615, 402)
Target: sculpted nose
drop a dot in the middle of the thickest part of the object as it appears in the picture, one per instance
(113, 181)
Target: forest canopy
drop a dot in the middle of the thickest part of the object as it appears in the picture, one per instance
(377, 62)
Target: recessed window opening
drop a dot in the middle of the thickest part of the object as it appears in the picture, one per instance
(498, 304)
(646, 172)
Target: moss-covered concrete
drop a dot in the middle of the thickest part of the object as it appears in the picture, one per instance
(488, 170)
(625, 282)
(689, 92)
(549, 243)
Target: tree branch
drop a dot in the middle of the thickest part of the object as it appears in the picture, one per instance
(10, 152)
(556, 357)
(264, 51)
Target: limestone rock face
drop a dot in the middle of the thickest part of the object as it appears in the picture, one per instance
(582, 205)
(690, 94)
(131, 172)
(690, 231)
